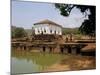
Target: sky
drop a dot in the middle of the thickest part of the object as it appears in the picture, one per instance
(25, 14)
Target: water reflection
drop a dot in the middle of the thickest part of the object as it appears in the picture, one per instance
(27, 62)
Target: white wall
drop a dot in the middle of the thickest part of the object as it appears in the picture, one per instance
(55, 28)
(45, 27)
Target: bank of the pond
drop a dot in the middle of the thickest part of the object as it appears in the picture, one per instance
(74, 63)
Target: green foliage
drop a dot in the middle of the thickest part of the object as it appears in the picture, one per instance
(64, 8)
(70, 30)
(88, 26)
(18, 32)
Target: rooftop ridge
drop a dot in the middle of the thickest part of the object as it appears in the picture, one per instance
(46, 21)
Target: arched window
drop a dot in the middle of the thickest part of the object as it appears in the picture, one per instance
(45, 30)
(51, 31)
(55, 31)
(38, 31)
(41, 32)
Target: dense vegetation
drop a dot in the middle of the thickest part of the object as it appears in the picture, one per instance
(88, 26)
(70, 30)
(17, 32)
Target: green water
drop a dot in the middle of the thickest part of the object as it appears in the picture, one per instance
(28, 62)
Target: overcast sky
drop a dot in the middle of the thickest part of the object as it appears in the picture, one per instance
(25, 14)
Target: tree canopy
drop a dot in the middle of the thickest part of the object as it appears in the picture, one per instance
(18, 32)
(88, 26)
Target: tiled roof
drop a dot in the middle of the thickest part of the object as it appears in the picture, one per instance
(47, 22)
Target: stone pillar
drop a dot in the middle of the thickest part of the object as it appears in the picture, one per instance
(66, 50)
(73, 50)
(18, 48)
(50, 49)
(22, 48)
(57, 49)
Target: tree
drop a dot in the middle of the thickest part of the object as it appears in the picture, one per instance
(18, 32)
(88, 26)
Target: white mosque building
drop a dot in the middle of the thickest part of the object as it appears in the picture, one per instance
(47, 27)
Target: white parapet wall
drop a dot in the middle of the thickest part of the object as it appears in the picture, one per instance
(47, 28)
